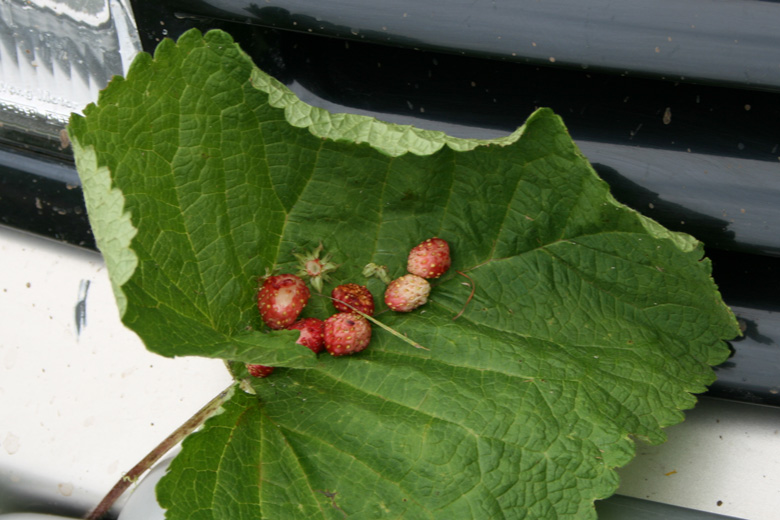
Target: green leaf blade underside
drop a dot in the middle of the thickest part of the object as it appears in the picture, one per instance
(589, 323)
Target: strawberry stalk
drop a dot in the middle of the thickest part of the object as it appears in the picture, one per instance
(380, 324)
(156, 454)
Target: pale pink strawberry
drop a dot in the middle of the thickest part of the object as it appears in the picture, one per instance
(259, 370)
(312, 333)
(406, 293)
(281, 299)
(357, 296)
(346, 333)
(430, 259)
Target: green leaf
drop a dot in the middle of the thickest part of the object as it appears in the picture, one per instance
(589, 324)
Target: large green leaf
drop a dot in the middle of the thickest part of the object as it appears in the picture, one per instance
(589, 323)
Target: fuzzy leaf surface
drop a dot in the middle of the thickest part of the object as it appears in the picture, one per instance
(589, 323)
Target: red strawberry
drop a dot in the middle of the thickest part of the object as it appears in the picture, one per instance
(259, 370)
(312, 333)
(358, 296)
(430, 259)
(346, 333)
(281, 299)
(406, 293)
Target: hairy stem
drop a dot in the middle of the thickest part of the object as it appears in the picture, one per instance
(153, 456)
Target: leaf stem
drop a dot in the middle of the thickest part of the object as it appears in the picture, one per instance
(156, 454)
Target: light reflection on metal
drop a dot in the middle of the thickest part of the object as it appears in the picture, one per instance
(56, 55)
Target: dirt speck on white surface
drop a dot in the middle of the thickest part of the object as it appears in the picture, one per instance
(11, 443)
(65, 489)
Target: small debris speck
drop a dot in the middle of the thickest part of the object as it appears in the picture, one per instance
(667, 115)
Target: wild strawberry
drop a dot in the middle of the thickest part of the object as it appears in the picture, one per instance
(430, 259)
(259, 370)
(358, 296)
(406, 293)
(312, 333)
(281, 299)
(346, 333)
(316, 268)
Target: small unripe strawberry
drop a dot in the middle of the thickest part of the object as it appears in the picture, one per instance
(358, 296)
(312, 333)
(316, 268)
(259, 370)
(406, 293)
(346, 333)
(281, 299)
(430, 259)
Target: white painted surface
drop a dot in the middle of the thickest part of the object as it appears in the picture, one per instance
(76, 412)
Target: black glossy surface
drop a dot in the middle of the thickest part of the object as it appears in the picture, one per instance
(42, 194)
(735, 42)
(749, 284)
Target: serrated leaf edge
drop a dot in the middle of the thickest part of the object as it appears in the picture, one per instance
(114, 234)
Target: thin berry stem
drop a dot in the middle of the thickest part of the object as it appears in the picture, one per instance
(156, 454)
(473, 287)
(377, 322)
